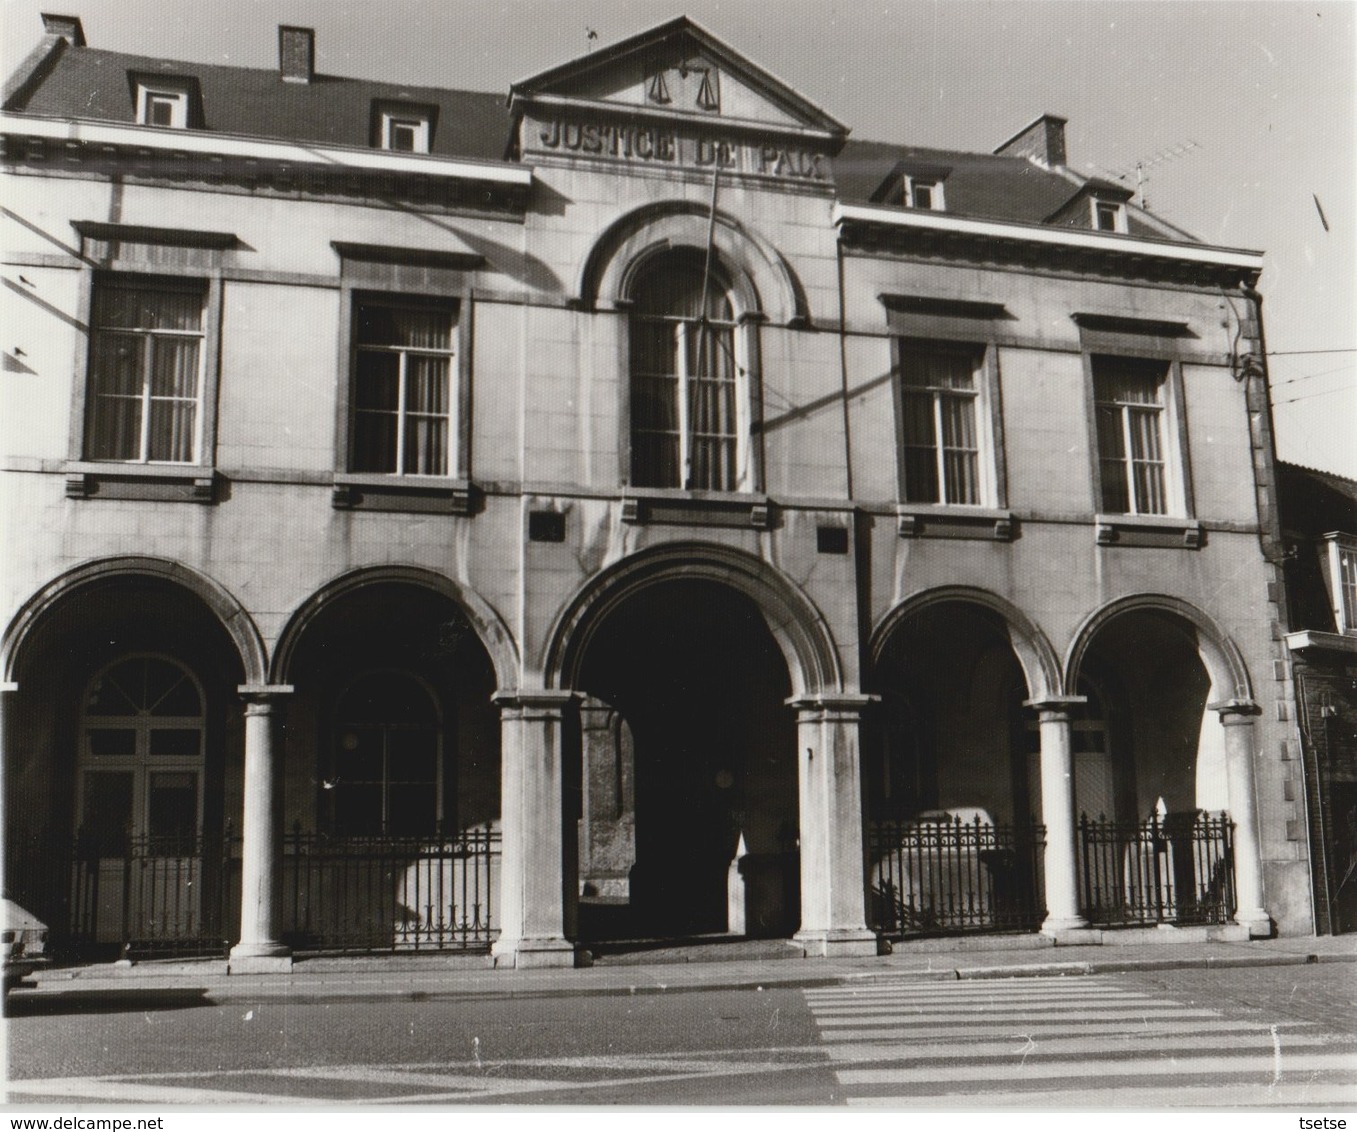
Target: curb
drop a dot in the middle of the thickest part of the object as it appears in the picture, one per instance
(35, 1000)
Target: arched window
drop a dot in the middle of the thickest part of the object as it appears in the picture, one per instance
(141, 756)
(388, 774)
(690, 397)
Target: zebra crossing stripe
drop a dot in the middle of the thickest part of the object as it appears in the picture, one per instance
(1225, 1095)
(891, 1030)
(140, 1093)
(1264, 1064)
(1028, 1047)
(1006, 1012)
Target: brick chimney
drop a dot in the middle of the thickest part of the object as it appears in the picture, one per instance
(68, 28)
(296, 54)
(1043, 140)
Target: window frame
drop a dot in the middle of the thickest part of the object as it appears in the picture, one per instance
(1171, 432)
(457, 409)
(393, 120)
(932, 185)
(1117, 210)
(441, 784)
(1342, 547)
(128, 271)
(743, 330)
(981, 420)
(142, 764)
(152, 94)
(987, 420)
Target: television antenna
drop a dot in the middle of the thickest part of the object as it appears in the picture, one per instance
(1141, 167)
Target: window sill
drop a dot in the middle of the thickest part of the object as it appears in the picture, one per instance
(168, 483)
(1318, 641)
(358, 491)
(943, 520)
(697, 508)
(1148, 530)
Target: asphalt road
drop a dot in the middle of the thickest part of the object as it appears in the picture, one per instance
(1250, 1036)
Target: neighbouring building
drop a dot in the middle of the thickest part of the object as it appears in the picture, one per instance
(1319, 524)
(620, 507)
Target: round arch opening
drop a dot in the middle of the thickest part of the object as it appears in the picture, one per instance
(684, 791)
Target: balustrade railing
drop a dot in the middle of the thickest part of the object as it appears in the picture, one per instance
(948, 874)
(1168, 869)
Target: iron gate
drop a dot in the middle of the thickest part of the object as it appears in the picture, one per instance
(948, 874)
(1170, 869)
(391, 893)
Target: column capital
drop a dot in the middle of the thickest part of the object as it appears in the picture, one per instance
(8, 686)
(1235, 711)
(1055, 707)
(535, 701)
(833, 704)
(264, 692)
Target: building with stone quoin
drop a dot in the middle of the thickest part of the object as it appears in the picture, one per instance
(622, 507)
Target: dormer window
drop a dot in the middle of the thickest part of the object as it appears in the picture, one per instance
(1109, 215)
(402, 128)
(165, 108)
(924, 192)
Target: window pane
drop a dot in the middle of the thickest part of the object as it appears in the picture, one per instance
(358, 809)
(147, 307)
(411, 811)
(107, 814)
(174, 369)
(172, 431)
(115, 429)
(178, 741)
(117, 369)
(360, 755)
(412, 755)
(426, 384)
(105, 741)
(172, 810)
(425, 328)
(1132, 381)
(426, 446)
(962, 484)
(167, 688)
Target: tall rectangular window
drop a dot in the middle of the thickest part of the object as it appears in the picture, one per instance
(403, 405)
(940, 437)
(1342, 574)
(145, 372)
(1129, 406)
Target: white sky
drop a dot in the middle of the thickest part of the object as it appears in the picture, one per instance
(1265, 90)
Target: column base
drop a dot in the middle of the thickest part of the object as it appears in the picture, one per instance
(259, 959)
(522, 954)
(1062, 925)
(837, 941)
(1257, 921)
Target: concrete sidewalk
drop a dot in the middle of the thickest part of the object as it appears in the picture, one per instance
(712, 967)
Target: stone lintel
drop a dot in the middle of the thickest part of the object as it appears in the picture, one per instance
(264, 691)
(549, 700)
(844, 704)
(1062, 704)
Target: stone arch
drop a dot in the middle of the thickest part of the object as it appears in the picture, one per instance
(239, 626)
(1221, 657)
(761, 281)
(490, 628)
(798, 627)
(1036, 657)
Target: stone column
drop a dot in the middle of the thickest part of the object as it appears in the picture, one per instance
(259, 949)
(833, 894)
(1059, 862)
(1237, 716)
(531, 899)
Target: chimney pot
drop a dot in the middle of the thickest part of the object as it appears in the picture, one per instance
(68, 28)
(296, 54)
(1043, 140)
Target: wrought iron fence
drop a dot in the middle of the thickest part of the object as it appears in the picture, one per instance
(146, 896)
(155, 895)
(954, 875)
(391, 893)
(1170, 869)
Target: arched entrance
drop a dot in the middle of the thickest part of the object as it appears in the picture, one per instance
(686, 802)
(1155, 793)
(952, 774)
(122, 749)
(391, 779)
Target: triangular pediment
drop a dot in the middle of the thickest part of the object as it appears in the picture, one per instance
(678, 70)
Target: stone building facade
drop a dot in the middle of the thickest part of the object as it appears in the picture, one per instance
(600, 513)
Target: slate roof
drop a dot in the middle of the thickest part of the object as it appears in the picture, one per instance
(93, 84)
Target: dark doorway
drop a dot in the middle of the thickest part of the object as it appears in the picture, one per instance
(700, 685)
